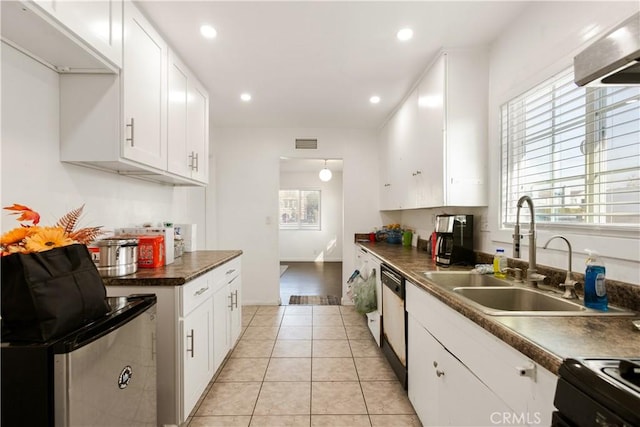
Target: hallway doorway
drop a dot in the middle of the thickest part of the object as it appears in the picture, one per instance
(311, 228)
(310, 278)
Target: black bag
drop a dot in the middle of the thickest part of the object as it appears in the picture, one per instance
(49, 294)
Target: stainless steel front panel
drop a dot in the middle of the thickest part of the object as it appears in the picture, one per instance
(111, 381)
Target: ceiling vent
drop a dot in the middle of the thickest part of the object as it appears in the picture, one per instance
(306, 144)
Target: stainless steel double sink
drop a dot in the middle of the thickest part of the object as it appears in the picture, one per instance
(502, 297)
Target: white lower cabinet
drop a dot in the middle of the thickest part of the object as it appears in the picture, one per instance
(197, 353)
(460, 374)
(198, 324)
(227, 310)
(443, 391)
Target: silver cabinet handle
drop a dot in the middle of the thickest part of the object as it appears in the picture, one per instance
(197, 163)
(132, 127)
(201, 291)
(236, 295)
(191, 350)
(230, 271)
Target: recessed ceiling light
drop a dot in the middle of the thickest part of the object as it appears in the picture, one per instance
(246, 97)
(405, 34)
(208, 31)
(374, 99)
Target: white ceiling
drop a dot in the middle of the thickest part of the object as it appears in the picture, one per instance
(316, 63)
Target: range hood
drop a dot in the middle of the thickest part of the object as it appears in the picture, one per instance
(614, 59)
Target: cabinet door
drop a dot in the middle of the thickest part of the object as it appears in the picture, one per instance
(144, 91)
(221, 339)
(198, 131)
(422, 351)
(429, 150)
(386, 161)
(197, 354)
(459, 388)
(177, 150)
(235, 310)
(97, 22)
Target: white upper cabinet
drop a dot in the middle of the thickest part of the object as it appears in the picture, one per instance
(97, 22)
(188, 123)
(465, 142)
(144, 91)
(431, 136)
(67, 36)
(434, 148)
(143, 122)
(198, 131)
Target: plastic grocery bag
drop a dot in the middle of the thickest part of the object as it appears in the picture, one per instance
(364, 294)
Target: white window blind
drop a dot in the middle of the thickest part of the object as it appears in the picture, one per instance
(575, 151)
(300, 209)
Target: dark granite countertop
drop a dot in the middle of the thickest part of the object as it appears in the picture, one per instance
(546, 340)
(189, 266)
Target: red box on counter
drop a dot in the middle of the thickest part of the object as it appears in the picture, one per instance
(150, 251)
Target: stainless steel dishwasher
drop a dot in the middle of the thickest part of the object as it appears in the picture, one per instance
(394, 321)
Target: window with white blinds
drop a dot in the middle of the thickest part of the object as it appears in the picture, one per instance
(300, 209)
(575, 151)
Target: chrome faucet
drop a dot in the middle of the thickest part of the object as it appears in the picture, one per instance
(569, 284)
(532, 273)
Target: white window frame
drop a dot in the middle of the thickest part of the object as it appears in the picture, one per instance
(298, 225)
(507, 202)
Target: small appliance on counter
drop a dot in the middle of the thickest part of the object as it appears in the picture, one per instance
(598, 392)
(454, 240)
(102, 374)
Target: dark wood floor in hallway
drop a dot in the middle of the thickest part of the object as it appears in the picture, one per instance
(310, 278)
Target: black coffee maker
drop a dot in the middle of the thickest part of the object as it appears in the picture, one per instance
(454, 244)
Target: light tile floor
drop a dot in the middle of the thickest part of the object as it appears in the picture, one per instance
(304, 366)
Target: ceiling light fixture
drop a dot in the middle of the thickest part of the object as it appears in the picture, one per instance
(374, 99)
(208, 32)
(246, 97)
(325, 174)
(405, 34)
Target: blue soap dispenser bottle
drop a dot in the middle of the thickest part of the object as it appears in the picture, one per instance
(595, 291)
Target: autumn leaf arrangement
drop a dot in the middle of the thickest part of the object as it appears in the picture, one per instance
(31, 237)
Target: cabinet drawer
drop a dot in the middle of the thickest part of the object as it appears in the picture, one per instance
(225, 273)
(194, 293)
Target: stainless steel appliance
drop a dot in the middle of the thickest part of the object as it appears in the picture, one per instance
(394, 321)
(598, 392)
(118, 256)
(454, 244)
(103, 374)
(614, 59)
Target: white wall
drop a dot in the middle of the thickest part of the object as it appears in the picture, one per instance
(247, 167)
(315, 245)
(540, 43)
(33, 175)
